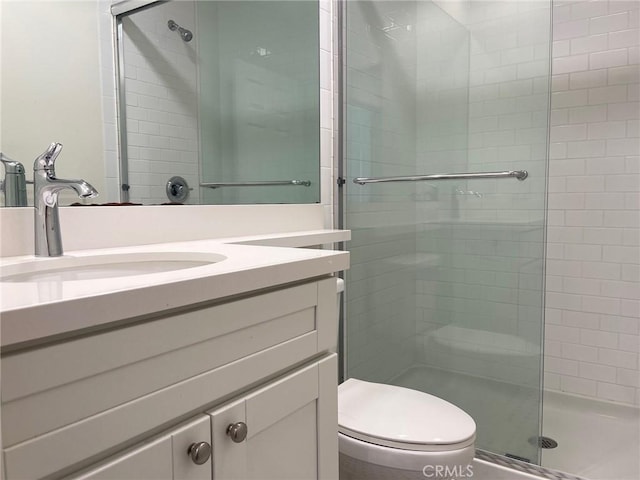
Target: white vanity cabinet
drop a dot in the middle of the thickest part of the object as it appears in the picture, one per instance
(164, 458)
(113, 403)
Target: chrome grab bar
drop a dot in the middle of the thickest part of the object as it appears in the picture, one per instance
(519, 174)
(303, 183)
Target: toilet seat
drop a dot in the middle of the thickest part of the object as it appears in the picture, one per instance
(402, 418)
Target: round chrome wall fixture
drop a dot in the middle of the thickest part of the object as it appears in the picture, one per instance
(177, 189)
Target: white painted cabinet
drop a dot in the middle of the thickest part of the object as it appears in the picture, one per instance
(163, 458)
(111, 404)
(290, 432)
(286, 433)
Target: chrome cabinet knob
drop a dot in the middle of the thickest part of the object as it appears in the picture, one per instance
(199, 452)
(237, 432)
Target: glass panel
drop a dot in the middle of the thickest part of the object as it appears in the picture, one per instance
(259, 87)
(445, 290)
(222, 92)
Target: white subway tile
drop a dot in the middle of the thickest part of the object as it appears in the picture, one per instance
(559, 116)
(630, 308)
(618, 358)
(598, 338)
(581, 386)
(593, 371)
(563, 300)
(592, 43)
(604, 201)
(613, 323)
(631, 236)
(571, 29)
(621, 254)
(562, 48)
(608, 23)
(601, 305)
(612, 94)
(584, 149)
(567, 201)
(573, 63)
(601, 130)
(629, 343)
(606, 165)
(624, 75)
(590, 253)
(602, 236)
(623, 111)
(581, 114)
(616, 6)
(585, 183)
(588, 79)
(609, 271)
(631, 273)
(624, 38)
(623, 146)
(588, 9)
(608, 58)
(581, 353)
(562, 334)
(581, 319)
(562, 366)
(622, 183)
(630, 378)
(623, 219)
(563, 133)
(617, 393)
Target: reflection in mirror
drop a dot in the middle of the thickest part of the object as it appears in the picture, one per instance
(53, 90)
(221, 98)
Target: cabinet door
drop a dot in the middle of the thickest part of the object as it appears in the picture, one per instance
(291, 428)
(165, 458)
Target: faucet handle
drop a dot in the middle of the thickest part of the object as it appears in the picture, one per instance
(46, 161)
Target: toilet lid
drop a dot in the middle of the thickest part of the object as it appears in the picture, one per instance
(401, 417)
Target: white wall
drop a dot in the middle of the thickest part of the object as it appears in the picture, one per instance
(593, 271)
(51, 87)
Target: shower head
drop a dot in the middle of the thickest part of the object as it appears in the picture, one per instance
(185, 34)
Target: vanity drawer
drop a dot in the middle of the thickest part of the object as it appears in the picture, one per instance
(127, 381)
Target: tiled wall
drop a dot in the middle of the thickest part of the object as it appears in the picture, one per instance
(482, 296)
(161, 96)
(593, 256)
(381, 141)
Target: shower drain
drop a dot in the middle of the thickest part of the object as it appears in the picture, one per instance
(543, 442)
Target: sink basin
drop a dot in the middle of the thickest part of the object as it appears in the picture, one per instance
(68, 269)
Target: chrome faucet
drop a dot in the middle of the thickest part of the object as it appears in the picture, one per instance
(14, 184)
(48, 241)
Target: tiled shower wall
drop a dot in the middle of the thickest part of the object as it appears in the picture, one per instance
(482, 301)
(381, 141)
(593, 272)
(161, 96)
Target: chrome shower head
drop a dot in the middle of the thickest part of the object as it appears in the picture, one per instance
(185, 34)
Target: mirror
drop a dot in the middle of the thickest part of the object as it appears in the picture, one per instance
(245, 86)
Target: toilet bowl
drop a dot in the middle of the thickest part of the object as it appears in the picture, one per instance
(389, 432)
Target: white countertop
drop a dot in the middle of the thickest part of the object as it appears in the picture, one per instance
(34, 310)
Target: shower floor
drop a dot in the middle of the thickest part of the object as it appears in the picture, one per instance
(596, 440)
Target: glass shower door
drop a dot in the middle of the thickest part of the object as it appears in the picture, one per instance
(445, 293)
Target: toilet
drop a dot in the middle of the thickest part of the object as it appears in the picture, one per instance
(395, 433)
(389, 432)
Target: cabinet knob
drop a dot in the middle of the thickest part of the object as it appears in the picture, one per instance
(237, 432)
(199, 452)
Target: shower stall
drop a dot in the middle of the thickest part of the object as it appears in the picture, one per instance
(444, 124)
